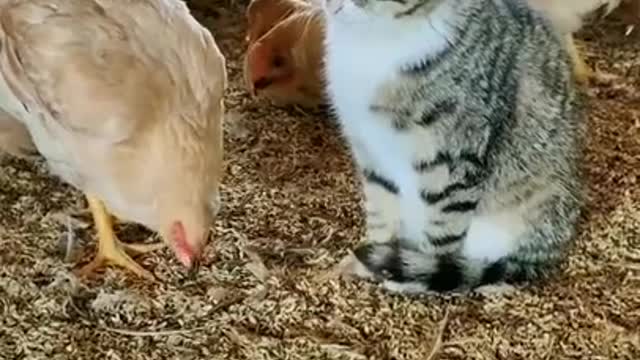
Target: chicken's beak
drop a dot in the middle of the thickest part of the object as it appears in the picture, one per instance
(260, 84)
(195, 267)
(187, 252)
(196, 259)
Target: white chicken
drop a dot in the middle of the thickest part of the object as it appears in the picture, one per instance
(124, 99)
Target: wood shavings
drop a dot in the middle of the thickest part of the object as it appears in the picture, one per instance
(68, 220)
(256, 266)
(292, 198)
(151, 333)
(437, 345)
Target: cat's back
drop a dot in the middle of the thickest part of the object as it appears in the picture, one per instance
(498, 48)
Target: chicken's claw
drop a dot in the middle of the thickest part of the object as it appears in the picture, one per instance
(583, 72)
(139, 249)
(110, 250)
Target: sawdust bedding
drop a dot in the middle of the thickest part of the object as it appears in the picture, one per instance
(291, 210)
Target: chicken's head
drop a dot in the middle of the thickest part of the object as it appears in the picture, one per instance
(182, 150)
(285, 63)
(187, 232)
(187, 192)
(269, 63)
(192, 150)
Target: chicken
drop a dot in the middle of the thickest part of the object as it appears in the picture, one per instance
(285, 52)
(124, 99)
(568, 16)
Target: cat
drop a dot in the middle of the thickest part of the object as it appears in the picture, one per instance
(466, 125)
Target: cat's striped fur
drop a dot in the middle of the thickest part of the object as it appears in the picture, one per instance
(465, 123)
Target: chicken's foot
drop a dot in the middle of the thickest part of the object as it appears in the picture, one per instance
(582, 71)
(110, 249)
(580, 68)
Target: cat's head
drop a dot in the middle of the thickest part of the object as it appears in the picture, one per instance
(382, 8)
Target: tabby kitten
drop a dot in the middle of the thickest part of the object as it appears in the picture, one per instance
(464, 121)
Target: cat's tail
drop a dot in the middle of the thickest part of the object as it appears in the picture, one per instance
(412, 271)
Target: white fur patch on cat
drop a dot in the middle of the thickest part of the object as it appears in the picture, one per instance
(489, 239)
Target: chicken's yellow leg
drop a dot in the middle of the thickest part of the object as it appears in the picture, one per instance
(110, 249)
(581, 69)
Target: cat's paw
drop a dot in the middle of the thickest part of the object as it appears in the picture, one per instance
(406, 288)
(351, 266)
(495, 290)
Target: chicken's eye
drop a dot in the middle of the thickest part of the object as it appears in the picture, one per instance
(278, 61)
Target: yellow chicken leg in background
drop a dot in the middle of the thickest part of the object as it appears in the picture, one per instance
(580, 67)
(110, 249)
(583, 72)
